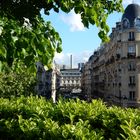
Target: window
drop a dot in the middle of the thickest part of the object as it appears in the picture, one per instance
(118, 56)
(132, 80)
(137, 22)
(119, 67)
(131, 36)
(131, 51)
(131, 66)
(125, 23)
(132, 95)
(120, 84)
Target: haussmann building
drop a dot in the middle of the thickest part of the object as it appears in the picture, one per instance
(115, 66)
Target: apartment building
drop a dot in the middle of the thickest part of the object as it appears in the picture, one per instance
(115, 66)
(70, 79)
(48, 81)
(86, 77)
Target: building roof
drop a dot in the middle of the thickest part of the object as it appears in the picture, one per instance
(90, 58)
(69, 70)
(131, 12)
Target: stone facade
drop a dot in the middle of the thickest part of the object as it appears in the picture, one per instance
(48, 81)
(115, 66)
(86, 80)
(70, 79)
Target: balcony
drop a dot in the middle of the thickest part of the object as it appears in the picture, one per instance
(131, 69)
(119, 40)
(131, 84)
(123, 58)
(131, 39)
(131, 55)
(138, 57)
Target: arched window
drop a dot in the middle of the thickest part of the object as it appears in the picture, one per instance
(125, 23)
(137, 22)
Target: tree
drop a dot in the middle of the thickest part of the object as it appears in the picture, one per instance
(25, 45)
(26, 38)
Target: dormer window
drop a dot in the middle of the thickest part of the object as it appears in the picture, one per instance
(137, 22)
(125, 23)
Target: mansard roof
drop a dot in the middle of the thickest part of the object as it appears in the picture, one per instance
(131, 12)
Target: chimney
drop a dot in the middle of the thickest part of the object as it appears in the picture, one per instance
(64, 67)
(71, 61)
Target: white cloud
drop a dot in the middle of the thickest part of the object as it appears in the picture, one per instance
(64, 59)
(126, 2)
(73, 20)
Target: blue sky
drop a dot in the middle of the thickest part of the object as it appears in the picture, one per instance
(77, 40)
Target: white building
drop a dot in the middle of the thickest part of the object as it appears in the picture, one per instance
(70, 79)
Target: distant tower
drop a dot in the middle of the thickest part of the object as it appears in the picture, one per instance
(71, 61)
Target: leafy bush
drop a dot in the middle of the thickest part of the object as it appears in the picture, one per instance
(16, 84)
(34, 118)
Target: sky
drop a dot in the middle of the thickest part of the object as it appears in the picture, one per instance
(78, 41)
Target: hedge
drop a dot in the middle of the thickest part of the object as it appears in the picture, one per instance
(34, 118)
(17, 84)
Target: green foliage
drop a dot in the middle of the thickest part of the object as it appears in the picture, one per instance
(26, 38)
(27, 45)
(34, 118)
(17, 84)
(92, 12)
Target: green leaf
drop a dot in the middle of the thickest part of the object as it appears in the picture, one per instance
(101, 34)
(42, 39)
(2, 50)
(56, 9)
(32, 69)
(28, 60)
(92, 21)
(59, 49)
(85, 22)
(103, 24)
